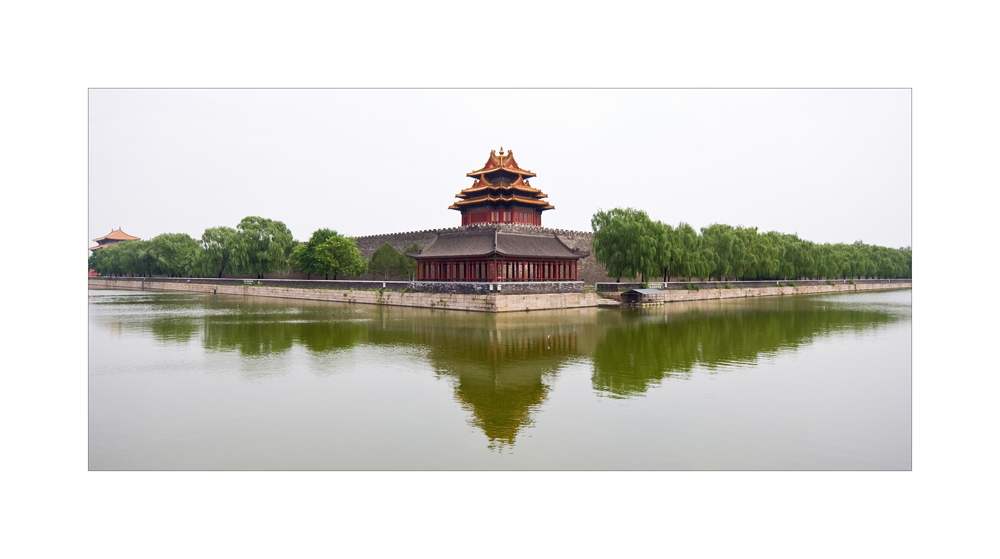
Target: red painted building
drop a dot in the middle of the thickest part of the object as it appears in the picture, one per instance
(501, 239)
(501, 194)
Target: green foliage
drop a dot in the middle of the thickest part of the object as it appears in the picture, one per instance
(387, 262)
(628, 244)
(625, 242)
(216, 252)
(339, 255)
(303, 257)
(261, 246)
(173, 254)
(102, 261)
(408, 265)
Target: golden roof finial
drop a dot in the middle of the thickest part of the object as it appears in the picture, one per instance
(501, 150)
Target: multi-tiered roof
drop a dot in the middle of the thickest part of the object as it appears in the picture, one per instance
(501, 185)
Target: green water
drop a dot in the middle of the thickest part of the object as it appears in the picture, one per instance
(197, 381)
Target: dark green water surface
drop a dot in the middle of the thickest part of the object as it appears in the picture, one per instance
(197, 381)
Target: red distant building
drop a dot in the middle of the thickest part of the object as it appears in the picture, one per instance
(501, 238)
(113, 238)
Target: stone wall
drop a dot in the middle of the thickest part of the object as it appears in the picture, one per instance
(588, 270)
(449, 301)
(399, 241)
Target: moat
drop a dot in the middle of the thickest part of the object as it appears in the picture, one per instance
(202, 381)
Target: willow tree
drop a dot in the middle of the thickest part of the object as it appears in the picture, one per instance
(261, 246)
(216, 252)
(666, 261)
(173, 254)
(106, 261)
(624, 242)
(720, 242)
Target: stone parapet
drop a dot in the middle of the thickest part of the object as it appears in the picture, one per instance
(673, 285)
(457, 287)
(701, 294)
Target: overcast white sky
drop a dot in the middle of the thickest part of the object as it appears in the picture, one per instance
(830, 165)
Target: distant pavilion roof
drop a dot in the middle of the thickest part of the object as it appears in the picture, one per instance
(117, 235)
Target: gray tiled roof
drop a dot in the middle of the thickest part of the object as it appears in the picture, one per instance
(482, 243)
(534, 246)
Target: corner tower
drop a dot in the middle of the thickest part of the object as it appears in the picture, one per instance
(501, 194)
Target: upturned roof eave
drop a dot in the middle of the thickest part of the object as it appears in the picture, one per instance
(526, 189)
(512, 200)
(483, 171)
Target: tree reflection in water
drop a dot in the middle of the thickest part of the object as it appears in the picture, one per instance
(643, 346)
(503, 365)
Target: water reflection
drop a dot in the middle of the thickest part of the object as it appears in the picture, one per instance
(641, 347)
(501, 367)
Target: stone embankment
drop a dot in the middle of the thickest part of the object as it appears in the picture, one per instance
(737, 292)
(479, 302)
(452, 301)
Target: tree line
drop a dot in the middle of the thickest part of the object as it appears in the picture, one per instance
(631, 245)
(254, 248)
